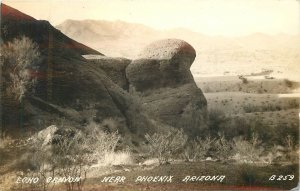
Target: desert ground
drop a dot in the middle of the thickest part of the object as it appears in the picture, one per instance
(271, 106)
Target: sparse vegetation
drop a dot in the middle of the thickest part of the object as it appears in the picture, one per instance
(43, 163)
(217, 121)
(198, 148)
(244, 79)
(69, 152)
(19, 59)
(288, 83)
(103, 142)
(164, 146)
(249, 108)
(72, 156)
(5, 141)
(222, 148)
(294, 103)
(248, 150)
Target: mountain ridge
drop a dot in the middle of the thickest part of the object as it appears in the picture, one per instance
(121, 36)
(216, 55)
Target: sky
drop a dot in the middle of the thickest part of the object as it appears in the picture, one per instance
(212, 17)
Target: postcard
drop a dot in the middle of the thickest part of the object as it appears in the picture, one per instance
(149, 95)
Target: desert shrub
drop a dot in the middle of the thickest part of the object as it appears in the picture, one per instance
(63, 154)
(222, 147)
(287, 152)
(238, 126)
(281, 131)
(248, 150)
(288, 83)
(292, 147)
(265, 131)
(289, 142)
(166, 145)
(103, 142)
(198, 148)
(244, 79)
(217, 121)
(70, 152)
(117, 158)
(5, 141)
(249, 108)
(72, 156)
(18, 59)
(293, 103)
(274, 154)
(43, 164)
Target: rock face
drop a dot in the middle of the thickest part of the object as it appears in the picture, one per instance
(69, 87)
(153, 93)
(165, 63)
(114, 68)
(161, 78)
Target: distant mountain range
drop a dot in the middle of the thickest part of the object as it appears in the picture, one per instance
(216, 55)
(119, 38)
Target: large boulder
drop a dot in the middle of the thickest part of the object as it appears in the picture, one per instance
(161, 78)
(113, 67)
(164, 63)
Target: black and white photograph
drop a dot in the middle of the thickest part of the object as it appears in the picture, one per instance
(138, 95)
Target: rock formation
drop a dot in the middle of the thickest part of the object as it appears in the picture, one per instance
(161, 78)
(153, 93)
(114, 68)
(69, 87)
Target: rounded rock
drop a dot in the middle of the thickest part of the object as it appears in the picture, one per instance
(169, 49)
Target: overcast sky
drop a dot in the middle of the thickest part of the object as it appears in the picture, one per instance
(213, 17)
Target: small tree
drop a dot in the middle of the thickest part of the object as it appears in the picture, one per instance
(198, 149)
(222, 147)
(71, 151)
(18, 58)
(164, 146)
(43, 162)
(103, 143)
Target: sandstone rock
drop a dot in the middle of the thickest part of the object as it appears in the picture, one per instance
(161, 78)
(169, 49)
(114, 68)
(156, 90)
(163, 63)
(70, 87)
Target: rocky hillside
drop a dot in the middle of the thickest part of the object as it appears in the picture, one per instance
(68, 86)
(77, 91)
